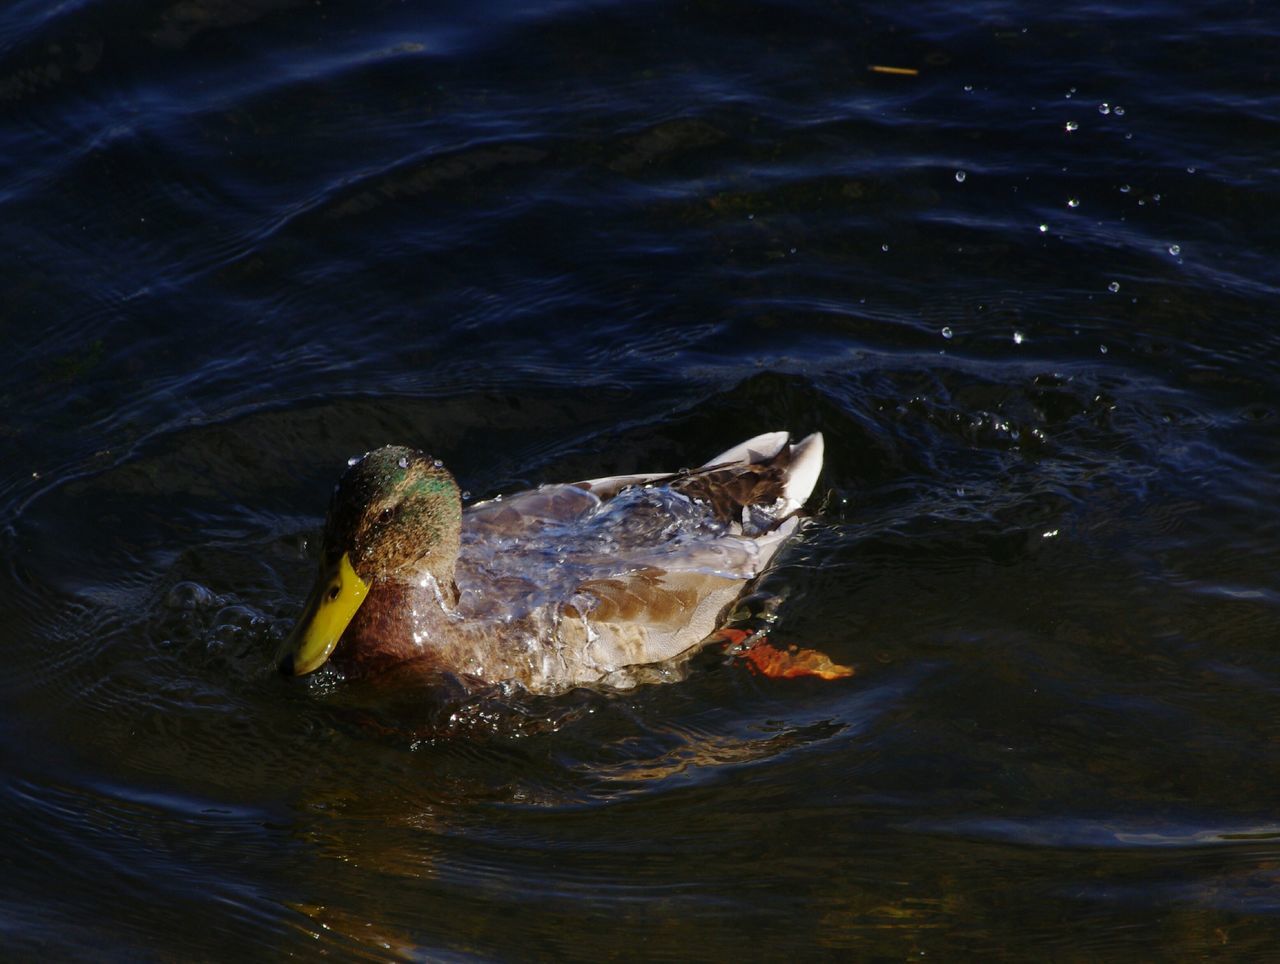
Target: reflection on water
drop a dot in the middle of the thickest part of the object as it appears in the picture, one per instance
(559, 241)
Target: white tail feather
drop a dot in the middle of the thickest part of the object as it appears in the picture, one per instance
(806, 465)
(758, 449)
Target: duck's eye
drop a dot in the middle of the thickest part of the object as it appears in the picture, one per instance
(385, 515)
(333, 593)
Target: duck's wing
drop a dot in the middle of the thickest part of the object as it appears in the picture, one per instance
(677, 598)
(658, 612)
(523, 512)
(618, 597)
(648, 616)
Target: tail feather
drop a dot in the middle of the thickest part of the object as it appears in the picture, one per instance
(806, 466)
(761, 448)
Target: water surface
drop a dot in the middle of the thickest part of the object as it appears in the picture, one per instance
(1027, 293)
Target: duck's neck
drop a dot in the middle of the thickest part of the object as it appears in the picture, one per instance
(397, 622)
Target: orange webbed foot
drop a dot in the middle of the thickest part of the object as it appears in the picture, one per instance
(768, 660)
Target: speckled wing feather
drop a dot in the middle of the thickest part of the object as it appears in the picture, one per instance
(633, 569)
(523, 512)
(676, 601)
(656, 614)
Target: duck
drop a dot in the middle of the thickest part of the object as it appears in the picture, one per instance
(560, 586)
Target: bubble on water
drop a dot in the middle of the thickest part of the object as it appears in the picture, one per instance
(1128, 136)
(1113, 287)
(960, 176)
(1044, 228)
(1191, 169)
(1073, 202)
(884, 247)
(353, 460)
(1125, 188)
(1118, 110)
(466, 495)
(968, 88)
(1175, 249)
(1104, 108)
(947, 332)
(1018, 337)
(1103, 349)
(187, 596)
(1049, 534)
(1072, 126)
(1156, 198)
(1071, 93)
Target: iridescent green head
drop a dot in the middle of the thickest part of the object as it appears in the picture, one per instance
(395, 517)
(397, 513)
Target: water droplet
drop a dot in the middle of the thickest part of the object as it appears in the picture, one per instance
(1156, 198)
(947, 332)
(437, 463)
(1113, 287)
(968, 88)
(1044, 228)
(1175, 249)
(1103, 349)
(1072, 126)
(960, 176)
(466, 495)
(404, 462)
(1073, 202)
(884, 247)
(1104, 108)
(1018, 337)
(793, 250)
(1118, 110)
(1191, 169)
(1125, 188)
(353, 460)
(1128, 136)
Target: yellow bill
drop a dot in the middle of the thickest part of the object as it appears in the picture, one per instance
(334, 599)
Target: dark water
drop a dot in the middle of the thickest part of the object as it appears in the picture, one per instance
(247, 239)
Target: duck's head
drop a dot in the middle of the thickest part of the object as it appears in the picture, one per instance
(395, 518)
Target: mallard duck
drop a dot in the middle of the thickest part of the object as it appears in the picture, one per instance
(555, 587)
